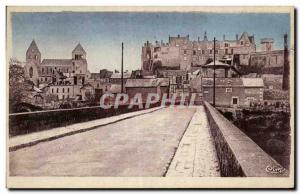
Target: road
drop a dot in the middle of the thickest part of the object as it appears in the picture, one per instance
(140, 146)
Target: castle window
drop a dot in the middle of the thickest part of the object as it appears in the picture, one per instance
(242, 42)
(184, 52)
(52, 90)
(194, 52)
(63, 96)
(63, 90)
(30, 72)
(57, 90)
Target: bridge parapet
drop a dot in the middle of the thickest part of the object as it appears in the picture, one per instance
(238, 154)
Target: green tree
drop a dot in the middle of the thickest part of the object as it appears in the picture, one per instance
(18, 87)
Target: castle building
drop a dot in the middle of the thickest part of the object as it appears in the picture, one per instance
(185, 54)
(65, 77)
(181, 53)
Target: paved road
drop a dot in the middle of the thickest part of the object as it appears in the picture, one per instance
(139, 146)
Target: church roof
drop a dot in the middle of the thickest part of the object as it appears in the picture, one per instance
(33, 47)
(79, 49)
(57, 62)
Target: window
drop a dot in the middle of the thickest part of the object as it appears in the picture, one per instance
(42, 69)
(52, 90)
(226, 51)
(63, 90)
(217, 51)
(232, 51)
(68, 90)
(210, 51)
(203, 52)
(45, 79)
(226, 45)
(276, 59)
(228, 90)
(234, 100)
(242, 42)
(63, 96)
(185, 52)
(57, 90)
(30, 72)
(194, 52)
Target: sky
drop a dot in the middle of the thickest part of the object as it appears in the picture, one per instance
(101, 34)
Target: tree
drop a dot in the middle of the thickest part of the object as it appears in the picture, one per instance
(18, 87)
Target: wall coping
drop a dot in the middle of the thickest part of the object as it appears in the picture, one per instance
(252, 159)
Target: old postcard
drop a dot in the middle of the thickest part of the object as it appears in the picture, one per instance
(150, 97)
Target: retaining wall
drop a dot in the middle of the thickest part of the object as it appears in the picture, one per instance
(239, 155)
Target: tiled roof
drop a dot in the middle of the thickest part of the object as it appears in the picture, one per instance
(118, 75)
(144, 83)
(57, 62)
(233, 82)
(253, 82)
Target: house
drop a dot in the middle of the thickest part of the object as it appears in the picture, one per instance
(233, 92)
(179, 80)
(146, 86)
(221, 70)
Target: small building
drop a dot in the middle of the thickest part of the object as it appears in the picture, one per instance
(116, 78)
(146, 86)
(179, 80)
(233, 92)
(221, 70)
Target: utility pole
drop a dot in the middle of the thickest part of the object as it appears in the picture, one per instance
(214, 87)
(122, 82)
(286, 68)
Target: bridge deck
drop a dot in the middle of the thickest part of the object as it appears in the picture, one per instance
(140, 146)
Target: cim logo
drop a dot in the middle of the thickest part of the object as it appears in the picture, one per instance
(275, 169)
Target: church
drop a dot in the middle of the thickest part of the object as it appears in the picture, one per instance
(65, 78)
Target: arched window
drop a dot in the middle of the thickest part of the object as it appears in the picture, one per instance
(30, 72)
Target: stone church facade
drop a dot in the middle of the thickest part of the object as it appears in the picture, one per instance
(65, 78)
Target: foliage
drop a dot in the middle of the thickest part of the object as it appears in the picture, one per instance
(18, 88)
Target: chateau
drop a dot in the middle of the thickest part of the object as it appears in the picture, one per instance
(181, 53)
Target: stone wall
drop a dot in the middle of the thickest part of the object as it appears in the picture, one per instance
(24, 123)
(238, 155)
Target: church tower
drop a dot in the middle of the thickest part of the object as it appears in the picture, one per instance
(79, 64)
(78, 53)
(33, 54)
(33, 60)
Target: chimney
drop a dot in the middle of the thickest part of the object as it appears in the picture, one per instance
(198, 39)
(236, 37)
(205, 36)
(161, 42)
(224, 37)
(147, 43)
(286, 65)
(178, 36)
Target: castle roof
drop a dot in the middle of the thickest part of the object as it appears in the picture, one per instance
(79, 49)
(33, 47)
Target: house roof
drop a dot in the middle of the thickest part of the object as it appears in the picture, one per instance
(118, 75)
(115, 88)
(79, 49)
(233, 82)
(253, 82)
(63, 62)
(145, 83)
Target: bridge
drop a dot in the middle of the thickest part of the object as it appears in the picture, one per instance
(178, 141)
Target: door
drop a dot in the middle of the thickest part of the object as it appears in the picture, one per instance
(235, 101)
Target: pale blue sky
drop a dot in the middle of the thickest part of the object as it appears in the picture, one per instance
(101, 34)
